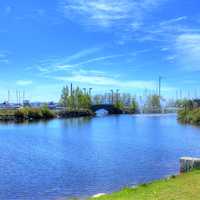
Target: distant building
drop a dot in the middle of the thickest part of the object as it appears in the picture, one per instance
(26, 103)
(52, 105)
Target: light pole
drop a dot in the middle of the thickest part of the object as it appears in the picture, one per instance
(84, 89)
(117, 92)
(90, 95)
(90, 91)
(160, 79)
(112, 92)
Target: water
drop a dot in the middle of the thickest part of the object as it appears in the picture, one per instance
(82, 157)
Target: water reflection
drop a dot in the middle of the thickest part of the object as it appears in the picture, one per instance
(101, 113)
(84, 156)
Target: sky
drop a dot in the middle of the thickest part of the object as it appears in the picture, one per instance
(99, 44)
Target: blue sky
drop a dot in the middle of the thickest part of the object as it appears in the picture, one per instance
(103, 44)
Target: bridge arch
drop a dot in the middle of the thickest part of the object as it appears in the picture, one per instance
(108, 107)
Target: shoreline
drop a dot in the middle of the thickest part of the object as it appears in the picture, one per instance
(185, 186)
(10, 116)
(189, 166)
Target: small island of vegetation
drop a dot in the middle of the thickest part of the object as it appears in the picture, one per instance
(190, 112)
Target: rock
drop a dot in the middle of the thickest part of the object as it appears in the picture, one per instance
(99, 195)
(187, 164)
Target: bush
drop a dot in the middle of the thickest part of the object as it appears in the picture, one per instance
(20, 114)
(47, 113)
(189, 116)
(195, 116)
(34, 113)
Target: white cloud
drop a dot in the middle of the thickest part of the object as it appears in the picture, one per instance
(4, 57)
(101, 58)
(61, 64)
(8, 10)
(165, 31)
(64, 67)
(73, 62)
(106, 81)
(174, 20)
(107, 13)
(171, 58)
(24, 82)
(4, 61)
(188, 49)
(82, 54)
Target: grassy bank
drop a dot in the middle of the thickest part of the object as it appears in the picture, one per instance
(76, 113)
(189, 116)
(183, 187)
(43, 113)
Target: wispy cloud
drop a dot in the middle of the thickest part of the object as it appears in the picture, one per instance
(8, 10)
(106, 81)
(67, 63)
(174, 20)
(77, 60)
(165, 31)
(82, 54)
(24, 82)
(4, 61)
(107, 13)
(187, 47)
(4, 57)
(97, 59)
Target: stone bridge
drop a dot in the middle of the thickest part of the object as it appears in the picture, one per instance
(108, 107)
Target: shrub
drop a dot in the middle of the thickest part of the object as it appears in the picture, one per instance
(47, 113)
(21, 114)
(189, 116)
(34, 113)
(195, 116)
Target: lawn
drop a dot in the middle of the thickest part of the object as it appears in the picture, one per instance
(183, 187)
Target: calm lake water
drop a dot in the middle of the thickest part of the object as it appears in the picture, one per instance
(83, 157)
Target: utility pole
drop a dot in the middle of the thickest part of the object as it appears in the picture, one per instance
(160, 80)
(112, 96)
(71, 89)
(188, 94)
(181, 94)
(23, 96)
(72, 95)
(90, 91)
(90, 94)
(17, 96)
(176, 95)
(117, 97)
(84, 89)
(8, 96)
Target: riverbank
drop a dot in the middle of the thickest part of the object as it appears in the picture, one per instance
(37, 114)
(182, 187)
(189, 116)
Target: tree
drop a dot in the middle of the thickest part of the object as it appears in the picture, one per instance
(64, 96)
(119, 105)
(152, 104)
(77, 100)
(134, 105)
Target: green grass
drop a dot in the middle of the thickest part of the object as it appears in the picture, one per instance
(190, 116)
(183, 187)
(43, 113)
(7, 112)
